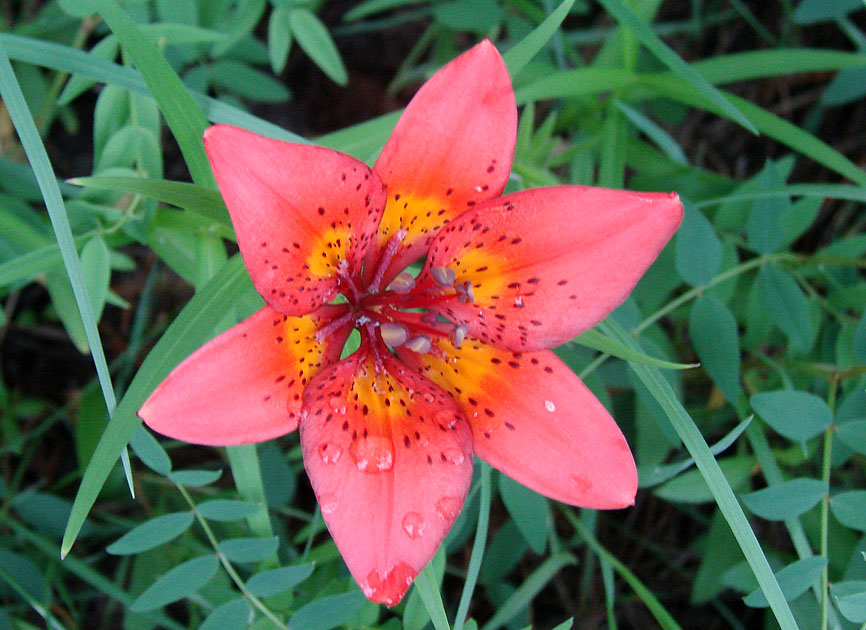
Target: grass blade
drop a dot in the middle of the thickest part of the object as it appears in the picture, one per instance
(477, 547)
(715, 479)
(432, 598)
(522, 53)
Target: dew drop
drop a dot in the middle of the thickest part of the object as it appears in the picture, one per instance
(330, 453)
(448, 508)
(413, 525)
(328, 503)
(548, 404)
(454, 455)
(372, 454)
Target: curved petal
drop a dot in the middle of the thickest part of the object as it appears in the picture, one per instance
(549, 263)
(390, 459)
(534, 420)
(247, 384)
(300, 213)
(451, 149)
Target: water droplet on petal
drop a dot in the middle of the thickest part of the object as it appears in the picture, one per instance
(328, 503)
(337, 404)
(448, 508)
(372, 454)
(329, 453)
(454, 455)
(548, 404)
(413, 525)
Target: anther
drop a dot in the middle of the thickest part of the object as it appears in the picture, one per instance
(419, 344)
(443, 275)
(464, 292)
(431, 318)
(393, 334)
(402, 284)
(458, 334)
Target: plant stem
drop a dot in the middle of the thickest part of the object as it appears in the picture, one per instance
(825, 504)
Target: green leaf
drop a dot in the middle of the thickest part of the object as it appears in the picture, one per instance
(182, 581)
(853, 435)
(783, 299)
(814, 11)
(233, 615)
(183, 115)
(786, 500)
(849, 508)
(247, 550)
(714, 334)
(227, 510)
(794, 580)
(478, 17)
(764, 225)
(153, 533)
(195, 478)
(850, 597)
(327, 612)
(315, 40)
(799, 416)
(239, 78)
(523, 51)
(691, 487)
(596, 340)
(150, 452)
(279, 38)
(661, 138)
(275, 581)
(699, 250)
(97, 273)
(530, 511)
(860, 339)
(623, 14)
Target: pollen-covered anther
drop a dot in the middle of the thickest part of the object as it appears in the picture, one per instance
(393, 334)
(419, 344)
(443, 276)
(402, 284)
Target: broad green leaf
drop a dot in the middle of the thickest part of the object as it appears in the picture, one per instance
(814, 11)
(764, 225)
(853, 435)
(153, 533)
(523, 51)
(849, 508)
(786, 500)
(783, 299)
(247, 82)
(195, 478)
(150, 452)
(315, 40)
(478, 17)
(530, 511)
(246, 550)
(29, 577)
(691, 487)
(183, 115)
(279, 38)
(227, 510)
(327, 612)
(714, 334)
(46, 512)
(233, 615)
(799, 416)
(97, 273)
(275, 581)
(850, 597)
(860, 339)
(182, 581)
(623, 14)
(794, 580)
(846, 87)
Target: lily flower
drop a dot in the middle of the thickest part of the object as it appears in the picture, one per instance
(454, 361)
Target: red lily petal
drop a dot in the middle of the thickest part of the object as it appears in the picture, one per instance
(535, 420)
(246, 385)
(299, 212)
(390, 458)
(548, 264)
(451, 149)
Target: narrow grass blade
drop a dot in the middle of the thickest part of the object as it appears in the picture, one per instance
(667, 56)
(522, 53)
(183, 115)
(603, 343)
(477, 547)
(758, 64)
(192, 327)
(718, 485)
(39, 162)
(429, 591)
(247, 473)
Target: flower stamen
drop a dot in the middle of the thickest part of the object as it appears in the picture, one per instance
(385, 261)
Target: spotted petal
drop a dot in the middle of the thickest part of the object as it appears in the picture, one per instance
(299, 212)
(534, 420)
(547, 264)
(246, 385)
(390, 459)
(451, 149)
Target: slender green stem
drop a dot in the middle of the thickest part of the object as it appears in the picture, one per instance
(825, 505)
(255, 601)
(477, 548)
(428, 589)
